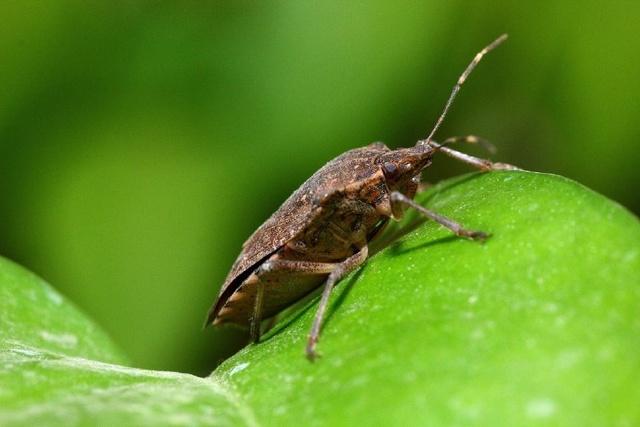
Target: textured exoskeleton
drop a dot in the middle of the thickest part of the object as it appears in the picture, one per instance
(322, 231)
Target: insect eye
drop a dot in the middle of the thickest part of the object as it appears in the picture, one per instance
(390, 169)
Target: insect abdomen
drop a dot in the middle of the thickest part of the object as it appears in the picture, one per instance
(281, 290)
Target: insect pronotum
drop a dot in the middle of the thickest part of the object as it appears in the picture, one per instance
(322, 231)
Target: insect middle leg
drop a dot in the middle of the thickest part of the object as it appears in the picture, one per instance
(458, 229)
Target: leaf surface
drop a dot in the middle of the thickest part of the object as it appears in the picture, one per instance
(58, 369)
(538, 324)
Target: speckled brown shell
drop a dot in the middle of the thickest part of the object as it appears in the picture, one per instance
(296, 213)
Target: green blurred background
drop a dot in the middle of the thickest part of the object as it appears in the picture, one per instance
(142, 142)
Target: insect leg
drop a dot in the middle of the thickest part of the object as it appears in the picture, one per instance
(338, 273)
(471, 139)
(476, 162)
(458, 229)
(479, 163)
(280, 265)
(256, 319)
(310, 267)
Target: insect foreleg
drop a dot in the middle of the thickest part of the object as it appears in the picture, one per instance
(338, 273)
(458, 229)
(476, 162)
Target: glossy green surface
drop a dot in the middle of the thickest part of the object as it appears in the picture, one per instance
(34, 315)
(537, 326)
(55, 370)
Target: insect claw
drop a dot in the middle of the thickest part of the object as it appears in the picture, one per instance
(480, 236)
(310, 351)
(312, 355)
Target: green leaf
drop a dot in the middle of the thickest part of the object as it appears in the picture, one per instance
(47, 376)
(538, 324)
(33, 314)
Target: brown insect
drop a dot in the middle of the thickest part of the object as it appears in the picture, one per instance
(322, 231)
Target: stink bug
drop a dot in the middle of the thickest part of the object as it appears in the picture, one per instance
(322, 231)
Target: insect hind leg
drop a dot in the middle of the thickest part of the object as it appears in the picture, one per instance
(338, 273)
(280, 265)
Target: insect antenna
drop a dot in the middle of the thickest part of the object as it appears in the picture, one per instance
(460, 82)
